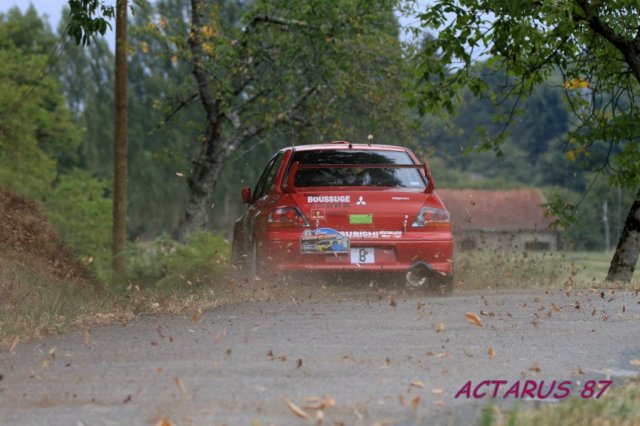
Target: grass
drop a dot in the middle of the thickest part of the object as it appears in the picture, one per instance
(618, 406)
(502, 269)
(165, 277)
(35, 302)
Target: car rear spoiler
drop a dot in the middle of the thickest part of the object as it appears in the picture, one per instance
(296, 166)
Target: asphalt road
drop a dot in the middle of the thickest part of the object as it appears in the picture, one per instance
(374, 360)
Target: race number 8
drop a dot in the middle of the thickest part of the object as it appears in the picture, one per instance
(363, 255)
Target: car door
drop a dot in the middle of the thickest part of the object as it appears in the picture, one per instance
(262, 199)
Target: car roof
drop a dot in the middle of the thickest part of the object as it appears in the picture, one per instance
(346, 145)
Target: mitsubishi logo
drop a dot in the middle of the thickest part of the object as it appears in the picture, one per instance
(361, 201)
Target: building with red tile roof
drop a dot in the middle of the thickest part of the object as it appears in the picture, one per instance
(511, 219)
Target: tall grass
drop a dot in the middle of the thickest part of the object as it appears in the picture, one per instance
(511, 269)
(618, 406)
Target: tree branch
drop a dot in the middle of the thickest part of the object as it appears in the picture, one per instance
(195, 44)
(259, 19)
(173, 112)
(253, 131)
(623, 45)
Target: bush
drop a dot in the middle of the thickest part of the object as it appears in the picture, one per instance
(164, 262)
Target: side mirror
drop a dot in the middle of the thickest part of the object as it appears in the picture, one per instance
(246, 194)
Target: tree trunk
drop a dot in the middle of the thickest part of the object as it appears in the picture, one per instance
(120, 145)
(202, 181)
(625, 258)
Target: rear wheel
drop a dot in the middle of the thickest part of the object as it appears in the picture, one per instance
(418, 276)
(416, 279)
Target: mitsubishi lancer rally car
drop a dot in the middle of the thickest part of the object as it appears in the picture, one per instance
(345, 207)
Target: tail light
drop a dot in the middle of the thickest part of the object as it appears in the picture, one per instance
(288, 216)
(430, 215)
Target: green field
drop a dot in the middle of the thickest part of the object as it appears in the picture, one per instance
(502, 269)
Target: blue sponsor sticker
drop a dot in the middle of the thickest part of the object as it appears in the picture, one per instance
(323, 240)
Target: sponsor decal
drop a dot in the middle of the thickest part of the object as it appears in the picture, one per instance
(317, 214)
(400, 198)
(320, 199)
(360, 218)
(373, 235)
(323, 240)
(361, 201)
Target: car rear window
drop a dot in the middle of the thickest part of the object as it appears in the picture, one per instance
(356, 176)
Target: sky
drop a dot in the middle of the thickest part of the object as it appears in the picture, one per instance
(53, 10)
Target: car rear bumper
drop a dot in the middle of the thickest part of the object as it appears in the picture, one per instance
(389, 256)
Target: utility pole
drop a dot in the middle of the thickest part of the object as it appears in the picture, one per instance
(120, 145)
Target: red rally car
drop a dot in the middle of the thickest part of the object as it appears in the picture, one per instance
(345, 207)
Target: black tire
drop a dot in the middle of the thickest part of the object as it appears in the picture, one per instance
(418, 277)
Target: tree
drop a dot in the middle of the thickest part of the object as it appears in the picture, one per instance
(290, 65)
(39, 140)
(595, 45)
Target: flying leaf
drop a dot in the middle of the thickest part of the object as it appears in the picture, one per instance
(317, 403)
(165, 422)
(296, 410)
(85, 338)
(473, 319)
(14, 344)
(417, 384)
(181, 386)
(414, 403)
(196, 315)
(535, 367)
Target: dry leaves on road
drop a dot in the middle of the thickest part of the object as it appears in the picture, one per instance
(473, 319)
(535, 367)
(296, 410)
(491, 352)
(635, 362)
(440, 327)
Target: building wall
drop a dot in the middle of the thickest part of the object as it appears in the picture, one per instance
(500, 240)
